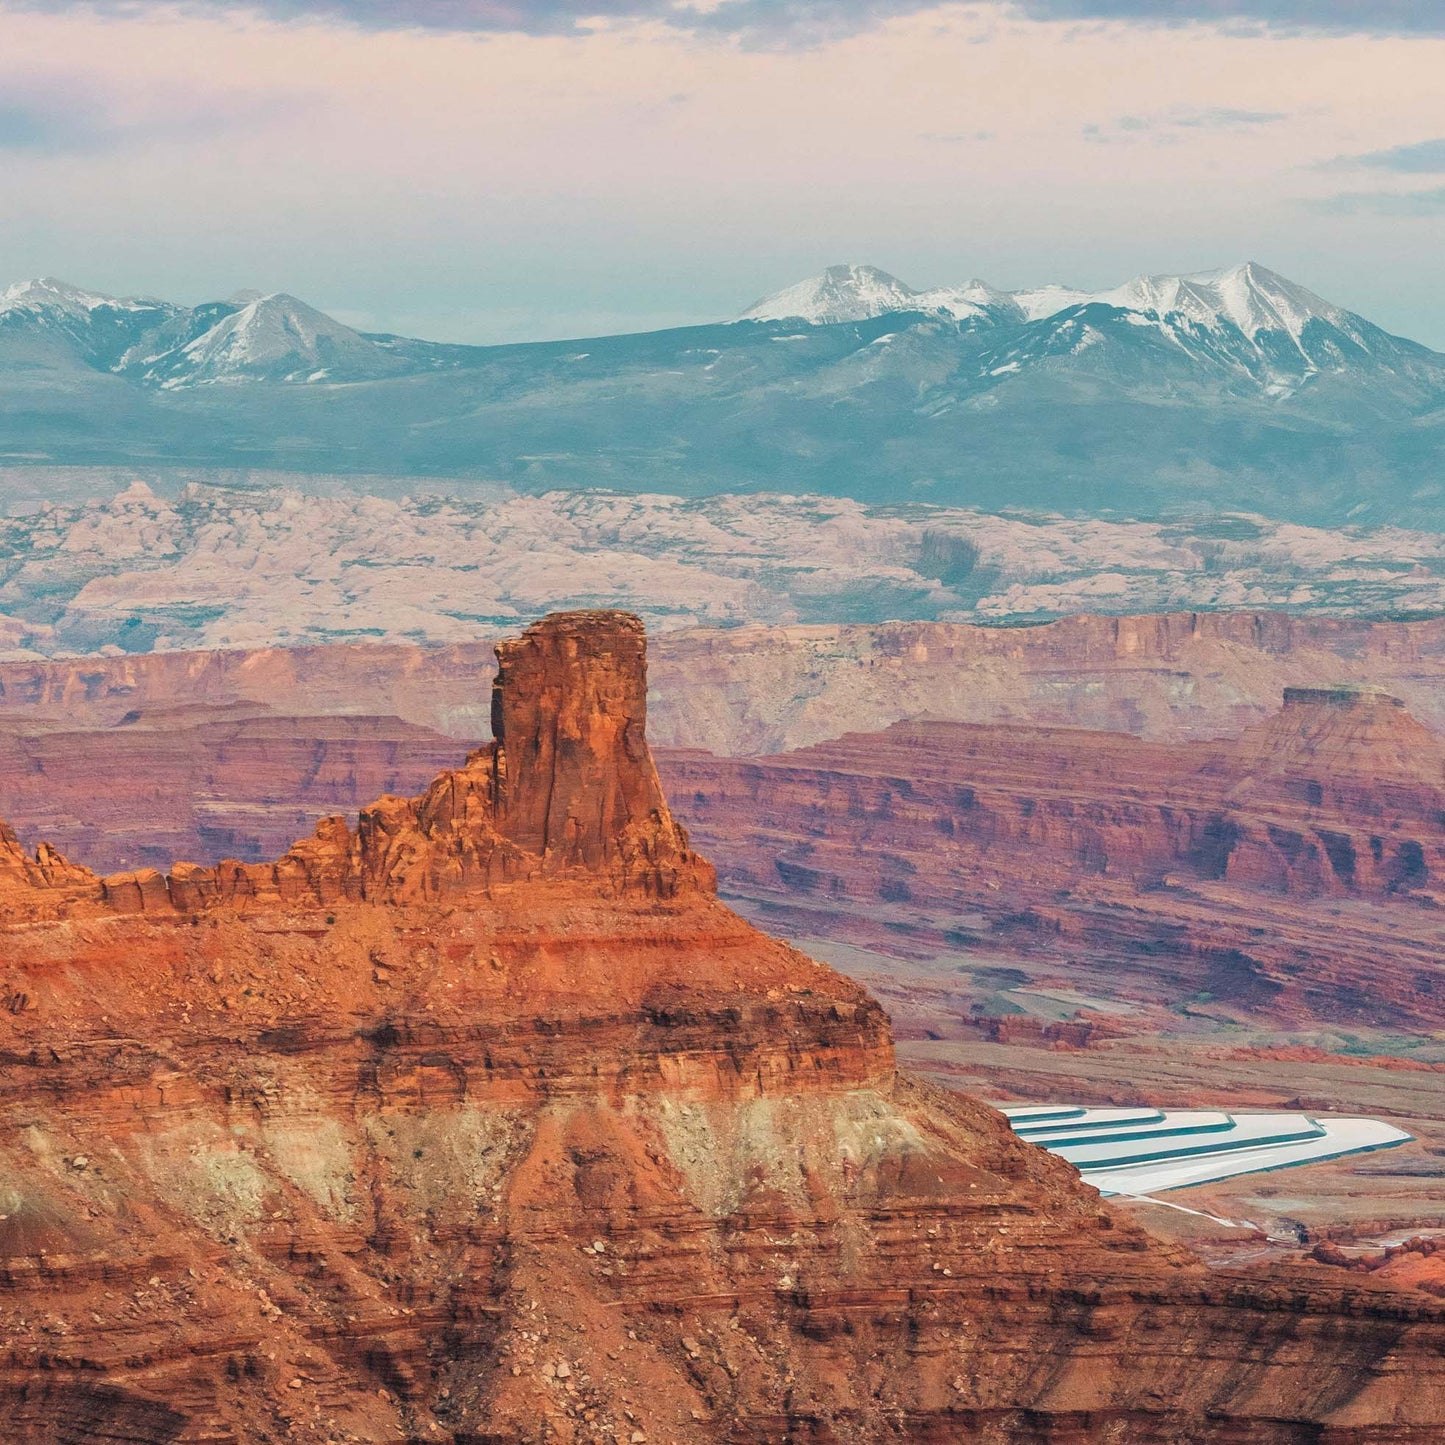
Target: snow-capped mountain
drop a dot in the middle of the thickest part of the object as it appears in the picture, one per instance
(1249, 297)
(250, 338)
(841, 293)
(1225, 389)
(270, 338)
(47, 320)
(1246, 323)
(860, 293)
(45, 296)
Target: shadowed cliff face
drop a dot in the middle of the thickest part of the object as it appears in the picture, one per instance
(486, 1123)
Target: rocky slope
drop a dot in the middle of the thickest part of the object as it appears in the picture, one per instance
(485, 1122)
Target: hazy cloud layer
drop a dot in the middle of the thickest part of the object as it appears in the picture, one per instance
(1406, 205)
(1420, 158)
(55, 114)
(1375, 17)
(41, 128)
(787, 21)
(1169, 126)
(377, 158)
(79, 114)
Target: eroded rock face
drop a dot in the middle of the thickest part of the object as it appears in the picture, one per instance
(750, 690)
(43, 883)
(451, 1133)
(569, 716)
(1216, 868)
(566, 786)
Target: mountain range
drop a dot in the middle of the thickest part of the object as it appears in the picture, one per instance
(1169, 394)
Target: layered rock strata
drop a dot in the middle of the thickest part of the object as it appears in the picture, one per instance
(209, 782)
(567, 784)
(1296, 871)
(486, 1123)
(750, 690)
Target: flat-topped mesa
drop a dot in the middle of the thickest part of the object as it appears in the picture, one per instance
(1339, 732)
(567, 788)
(1341, 695)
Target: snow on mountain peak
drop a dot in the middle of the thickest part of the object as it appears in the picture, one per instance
(859, 293)
(1049, 300)
(277, 337)
(1248, 296)
(841, 293)
(962, 302)
(46, 293)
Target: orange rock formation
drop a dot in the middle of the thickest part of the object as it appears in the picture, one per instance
(486, 1123)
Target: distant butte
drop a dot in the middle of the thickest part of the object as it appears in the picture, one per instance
(486, 1123)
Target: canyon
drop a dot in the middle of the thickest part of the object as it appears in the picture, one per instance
(1060, 915)
(481, 1119)
(1151, 866)
(765, 689)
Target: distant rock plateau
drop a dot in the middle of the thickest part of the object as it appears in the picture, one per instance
(229, 566)
(747, 690)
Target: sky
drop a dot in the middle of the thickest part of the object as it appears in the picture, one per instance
(500, 170)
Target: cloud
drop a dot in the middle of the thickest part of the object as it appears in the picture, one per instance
(1420, 158)
(782, 22)
(1223, 117)
(54, 118)
(789, 21)
(1369, 17)
(79, 114)
(1165, 126)
(755, 24)
(1405, 205)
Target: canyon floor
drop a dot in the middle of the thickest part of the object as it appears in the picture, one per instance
(935, 1000)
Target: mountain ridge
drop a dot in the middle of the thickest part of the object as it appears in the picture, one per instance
(1247, 295)
(1213, 392)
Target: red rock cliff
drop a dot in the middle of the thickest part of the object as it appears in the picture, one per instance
(1212, 868)
(459, 1128)
(567, 787)
(575, 782)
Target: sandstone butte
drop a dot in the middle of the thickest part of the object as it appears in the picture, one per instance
(484, 1122)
